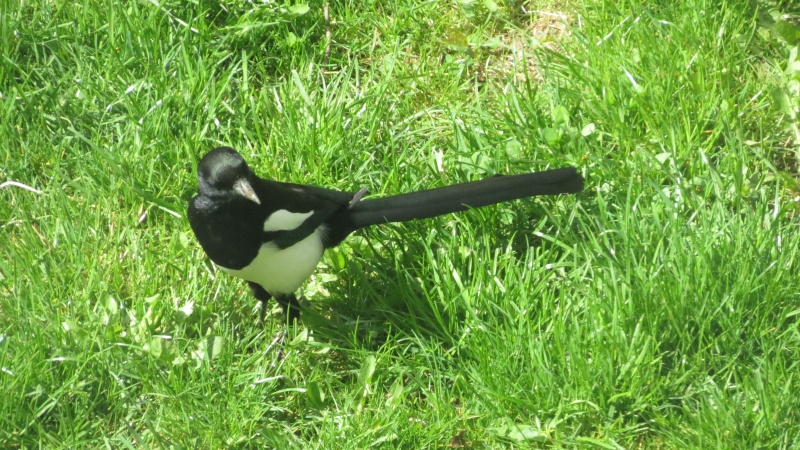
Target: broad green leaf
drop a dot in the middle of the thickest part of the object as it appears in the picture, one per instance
(299, 9)
(551, 135)
(561, 116)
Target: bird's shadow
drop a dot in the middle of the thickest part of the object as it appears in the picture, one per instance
(374, 298)
(386, 289)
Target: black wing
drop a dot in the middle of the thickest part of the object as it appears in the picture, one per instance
(298, 198)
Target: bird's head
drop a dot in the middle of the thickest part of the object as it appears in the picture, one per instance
(223, 173)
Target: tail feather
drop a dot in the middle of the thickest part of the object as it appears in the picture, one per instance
(460, 197)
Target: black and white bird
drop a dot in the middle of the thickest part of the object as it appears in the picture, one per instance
(272, 234)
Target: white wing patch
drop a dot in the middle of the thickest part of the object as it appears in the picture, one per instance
(282, 220)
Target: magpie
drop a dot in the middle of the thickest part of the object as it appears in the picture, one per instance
(272, 234)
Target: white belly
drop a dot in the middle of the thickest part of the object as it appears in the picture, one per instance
(283, 271)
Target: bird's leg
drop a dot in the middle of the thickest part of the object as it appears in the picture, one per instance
(291, 311)
(261, 295)
(288, 302)
(291, 315)
(290, 306)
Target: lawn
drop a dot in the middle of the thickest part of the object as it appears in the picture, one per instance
(660, 308)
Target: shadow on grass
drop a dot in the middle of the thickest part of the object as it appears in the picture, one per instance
(403, 285)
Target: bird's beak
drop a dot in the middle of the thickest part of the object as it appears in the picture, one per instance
(243, 188)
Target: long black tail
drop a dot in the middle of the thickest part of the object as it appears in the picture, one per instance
(459, 197)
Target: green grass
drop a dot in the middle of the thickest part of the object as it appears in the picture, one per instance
(658, 309)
